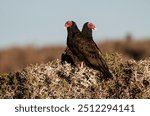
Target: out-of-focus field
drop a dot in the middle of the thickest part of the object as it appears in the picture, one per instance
(16, 58)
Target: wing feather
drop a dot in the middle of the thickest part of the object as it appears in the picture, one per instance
(91, 53)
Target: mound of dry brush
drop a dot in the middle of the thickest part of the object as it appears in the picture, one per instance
(131, 79)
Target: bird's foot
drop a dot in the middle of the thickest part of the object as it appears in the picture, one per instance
(81, 65)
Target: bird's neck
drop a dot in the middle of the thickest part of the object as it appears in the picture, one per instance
(87, 33)
(73, 31)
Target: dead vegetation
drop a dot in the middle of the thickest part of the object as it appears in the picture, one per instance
(131, 80)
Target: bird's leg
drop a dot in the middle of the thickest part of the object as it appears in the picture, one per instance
(80, 64)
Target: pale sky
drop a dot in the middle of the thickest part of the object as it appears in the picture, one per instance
(41, 22)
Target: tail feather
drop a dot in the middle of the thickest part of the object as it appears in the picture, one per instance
(106, 74)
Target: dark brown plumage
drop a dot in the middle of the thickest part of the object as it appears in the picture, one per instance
(68, 56)
(90, 51)
(73, 38)
(83, 46)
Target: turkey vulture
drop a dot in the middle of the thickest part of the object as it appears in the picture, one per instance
(68, 56)
(90, 51)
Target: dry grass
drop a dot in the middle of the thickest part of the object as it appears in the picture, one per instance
(52, 80)
(16, 58)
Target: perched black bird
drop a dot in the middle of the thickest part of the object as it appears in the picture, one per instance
(67, 55)
(90, 51)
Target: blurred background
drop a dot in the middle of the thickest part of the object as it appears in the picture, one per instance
(31, 31)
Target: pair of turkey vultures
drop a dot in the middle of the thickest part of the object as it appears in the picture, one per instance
(82, 48)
